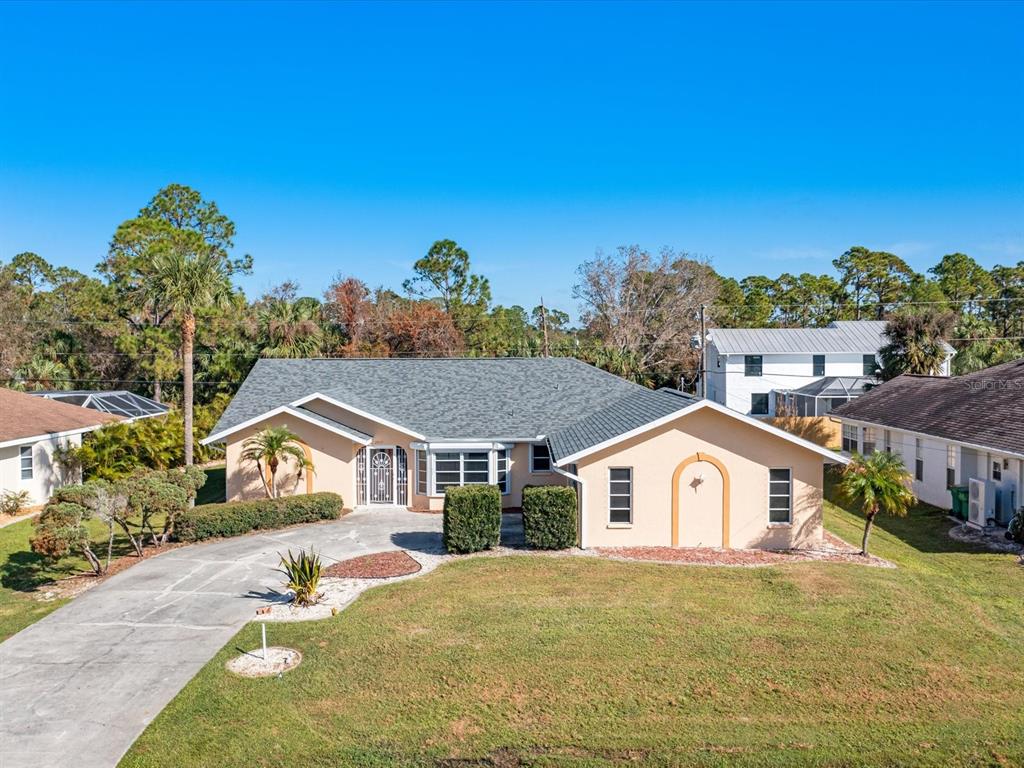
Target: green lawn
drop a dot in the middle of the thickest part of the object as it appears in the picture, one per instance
(587, 662)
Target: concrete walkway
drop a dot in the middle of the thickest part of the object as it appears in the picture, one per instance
(79, 686)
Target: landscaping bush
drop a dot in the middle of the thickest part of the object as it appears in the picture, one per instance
(549, 516)
(234, 518)
(472, 518)
(1015, 530)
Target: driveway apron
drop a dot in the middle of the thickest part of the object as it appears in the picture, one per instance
(79, 686)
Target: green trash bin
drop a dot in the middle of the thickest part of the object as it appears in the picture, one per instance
(960, 494)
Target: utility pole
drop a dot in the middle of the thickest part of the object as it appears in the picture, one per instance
(544, 325)
(703, 353)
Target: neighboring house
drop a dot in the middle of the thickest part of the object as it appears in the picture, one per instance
(948, 431)
(755, 370)
(30, 429)
(650, 467)
(119, 402)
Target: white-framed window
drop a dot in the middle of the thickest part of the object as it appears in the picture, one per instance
(620, 495)
(540, 458)
(501, 470)
(869, 440)
(455, 468)
(421, 473)
(780, 495)
(950, 465)
(997, 469)
(850, 438)
(918, 459)
(887, 441)
(25, 459)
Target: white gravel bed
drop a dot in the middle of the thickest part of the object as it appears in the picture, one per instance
(252, 663)
(338, 594)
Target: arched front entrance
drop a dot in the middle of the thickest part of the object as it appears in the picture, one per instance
(700, 503)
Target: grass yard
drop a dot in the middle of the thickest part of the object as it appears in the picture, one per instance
(587, 662)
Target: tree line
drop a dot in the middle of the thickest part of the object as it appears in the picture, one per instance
(163, 315)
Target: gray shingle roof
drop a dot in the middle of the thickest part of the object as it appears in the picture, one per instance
(985, 408)
(441, 399)
(852, 336)
(636, 409)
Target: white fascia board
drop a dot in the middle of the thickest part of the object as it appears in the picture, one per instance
(357, 412)
(50, 435)
(291, 412)
(972, 446)
(824, 452)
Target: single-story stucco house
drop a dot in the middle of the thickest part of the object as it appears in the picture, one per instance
(651, 468)
(31, 429)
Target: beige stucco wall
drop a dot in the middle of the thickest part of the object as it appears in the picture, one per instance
(747, 454)
(334, 456)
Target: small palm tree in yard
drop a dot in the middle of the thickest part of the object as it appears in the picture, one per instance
(877, 483)
(270, 448)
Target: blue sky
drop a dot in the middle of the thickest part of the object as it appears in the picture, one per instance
(346, 138)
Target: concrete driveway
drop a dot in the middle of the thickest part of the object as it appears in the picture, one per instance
(79, 686)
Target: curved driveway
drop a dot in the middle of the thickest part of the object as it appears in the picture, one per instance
(79, 686)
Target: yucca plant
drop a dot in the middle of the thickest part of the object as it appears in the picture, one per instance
(303, 574)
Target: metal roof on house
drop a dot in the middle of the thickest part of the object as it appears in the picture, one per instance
(985, 408)
(440, 399)
(863, 337)
(835, 386)
(119, 402)
(631, 412)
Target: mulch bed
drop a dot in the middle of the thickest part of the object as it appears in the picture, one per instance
(833, 550)
(383, 565)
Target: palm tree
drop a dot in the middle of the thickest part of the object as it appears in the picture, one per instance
(292, 328)
(916, 343)
(270, 448)
(877, 483)
(187, 276)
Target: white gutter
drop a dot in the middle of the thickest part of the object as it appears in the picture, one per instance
(583, 508)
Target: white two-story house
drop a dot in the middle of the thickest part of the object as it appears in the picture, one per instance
(806, 371)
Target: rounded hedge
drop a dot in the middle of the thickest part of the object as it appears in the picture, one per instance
(472, 518)
(549, 516)
(234, 518)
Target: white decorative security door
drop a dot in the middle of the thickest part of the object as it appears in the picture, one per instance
(382, 476)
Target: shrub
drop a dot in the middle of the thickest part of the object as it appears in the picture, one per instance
(60, 530)
(1015, 530)
(549, 516)
(234, 518)
(13, 502)
(472, 518)
(303, 574)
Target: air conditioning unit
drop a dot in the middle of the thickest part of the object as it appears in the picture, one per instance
(981, 503)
